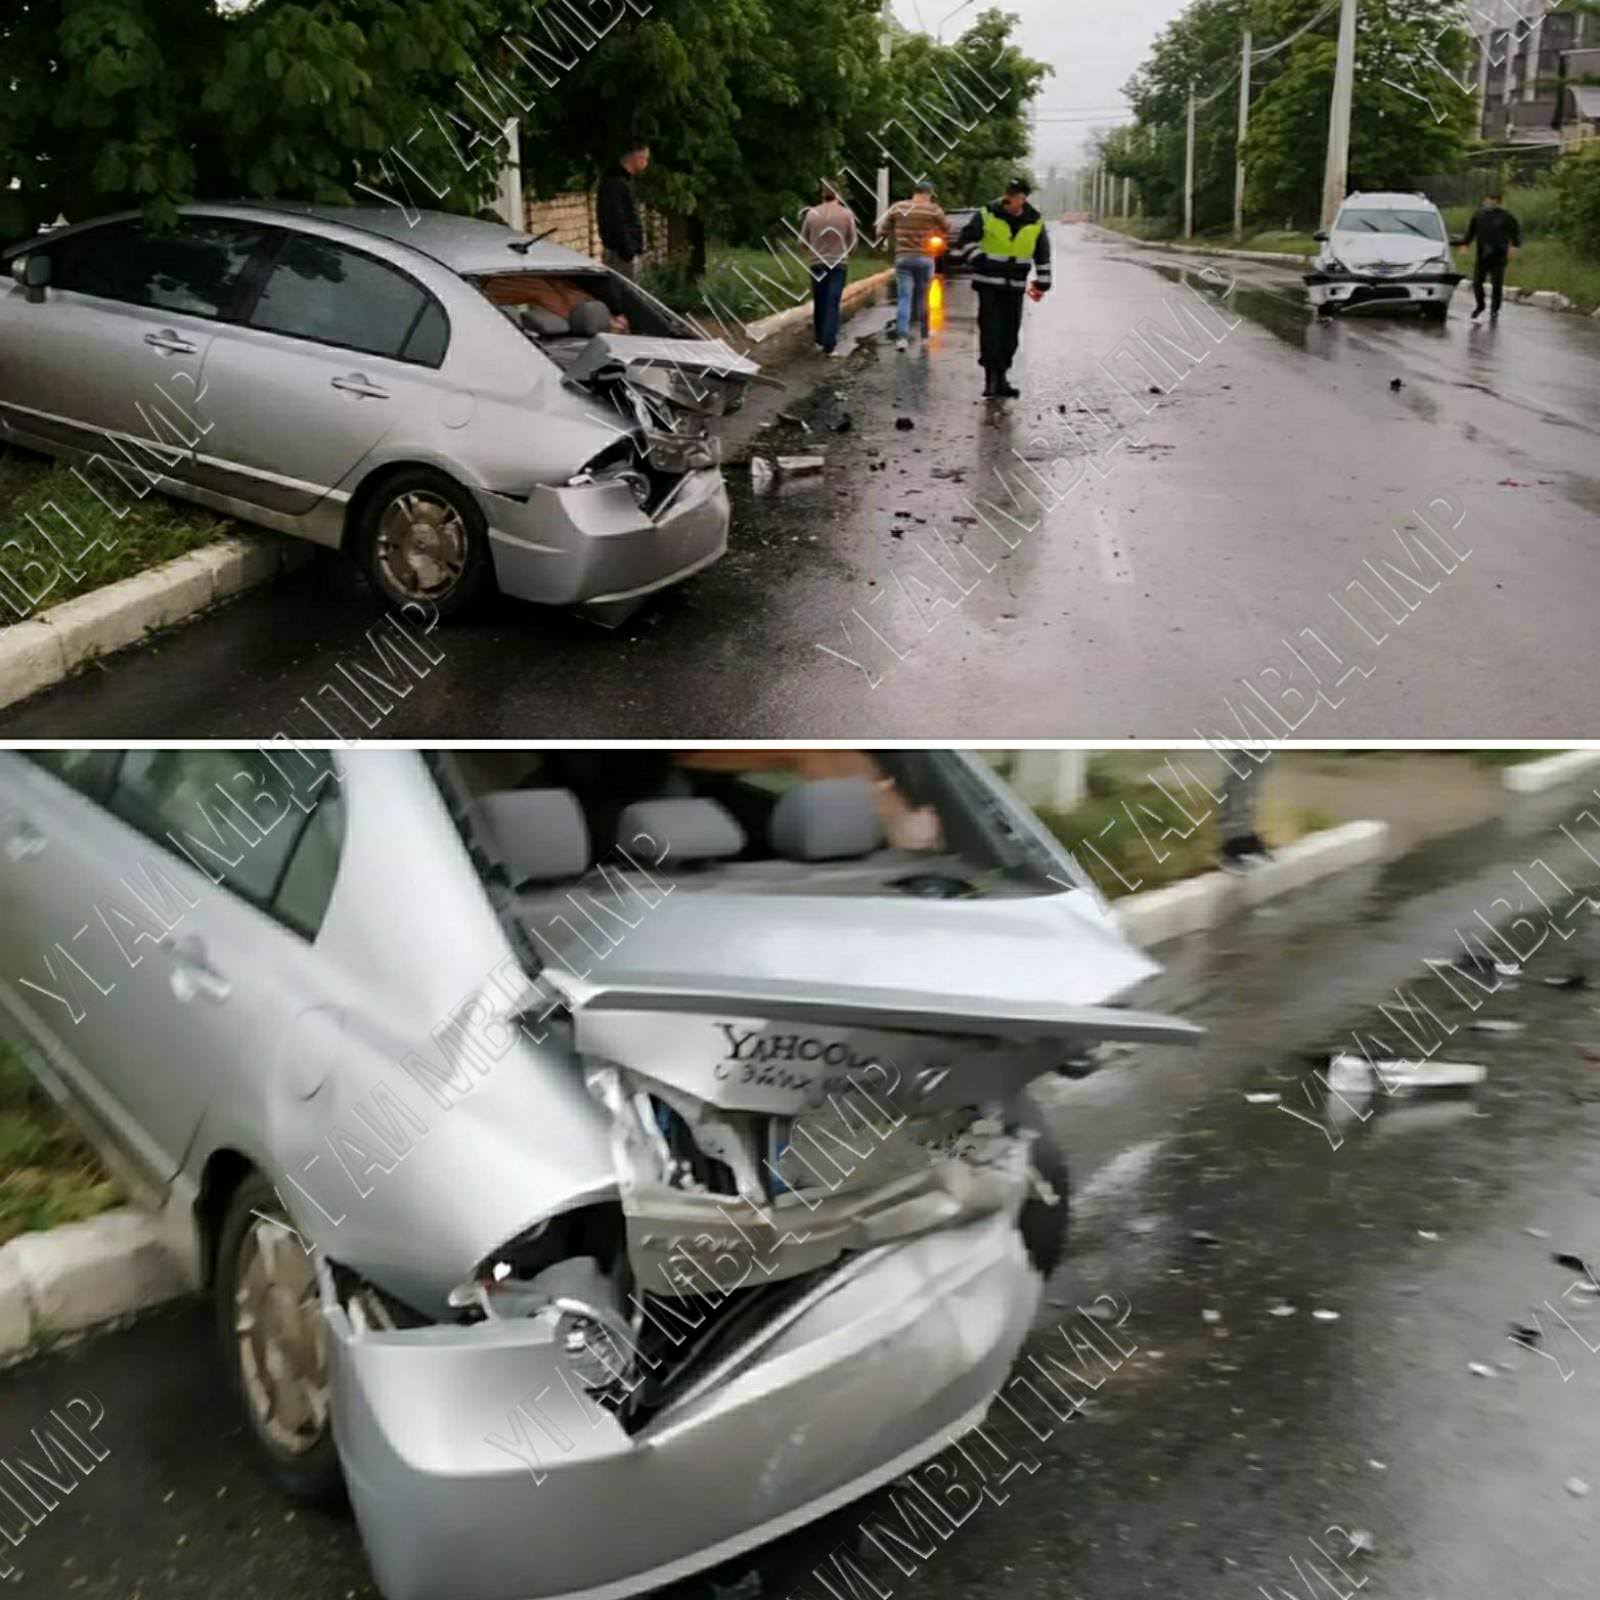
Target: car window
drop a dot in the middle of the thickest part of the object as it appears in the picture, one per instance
(302, 898)
(430, 338)
(89, 771)
(317, 290)
(231, 813)
(195, 268)
(1427, 224)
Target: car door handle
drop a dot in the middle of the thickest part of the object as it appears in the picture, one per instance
(170, 343)
(25, 842)
(191, 973)
(356, 383)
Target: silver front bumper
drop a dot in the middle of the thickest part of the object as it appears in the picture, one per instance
(1381, 294)
(591, 545)
(900, 1352)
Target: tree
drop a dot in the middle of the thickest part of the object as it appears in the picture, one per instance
(1409, 119)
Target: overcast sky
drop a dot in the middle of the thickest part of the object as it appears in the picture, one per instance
(1094, 45)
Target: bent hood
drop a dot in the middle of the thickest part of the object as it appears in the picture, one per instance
(698, 374)
(1376, 252)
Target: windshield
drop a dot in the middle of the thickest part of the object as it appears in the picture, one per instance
(1422, 224)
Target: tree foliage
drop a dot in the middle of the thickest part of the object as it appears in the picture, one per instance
(1411, 115)
(746, 103)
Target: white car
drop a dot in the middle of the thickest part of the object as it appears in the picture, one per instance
(1385, 252)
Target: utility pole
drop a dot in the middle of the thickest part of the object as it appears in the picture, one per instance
(888, 51)
(1127, 197)
(1188, 175)
(1344, 87)
(1244, 130)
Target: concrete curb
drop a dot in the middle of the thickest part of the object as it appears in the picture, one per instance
(1533, 777)
(80, 1275)
(1200, 903)
(43, 650)
(1543, 299)
(785, 332)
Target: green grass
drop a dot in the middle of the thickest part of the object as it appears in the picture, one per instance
(48, 1175)
(94, 547)
(750, 297)
(1143, 846)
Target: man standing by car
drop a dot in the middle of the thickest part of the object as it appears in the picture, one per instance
(912, 226)
(828, 231)
(1498, 236)
(617, 210)
(1005, 241)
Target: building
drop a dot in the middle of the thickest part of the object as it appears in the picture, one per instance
(1530, 68)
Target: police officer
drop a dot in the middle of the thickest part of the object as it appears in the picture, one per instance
(1005, 241)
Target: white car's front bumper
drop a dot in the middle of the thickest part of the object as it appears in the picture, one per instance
(1336, 291)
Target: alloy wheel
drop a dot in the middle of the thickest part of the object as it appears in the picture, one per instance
(422, 544)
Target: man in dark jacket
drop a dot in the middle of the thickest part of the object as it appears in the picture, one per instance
(1498, 236)
(1005, 241)
(617, 210)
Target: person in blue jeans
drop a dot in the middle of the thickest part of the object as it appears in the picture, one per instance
(828, 231)
(912, 228)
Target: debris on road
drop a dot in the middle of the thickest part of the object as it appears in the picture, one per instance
(1377, 1465)
(844, 424)
(1577, 1487)
(794, 466)
(1528, 1338)
(1361, 1539)
(1498, 1027)
(1264, 1098)
(1326, 1316)
(1479, 1370)
(760, 473)
(1210, 1317)
(1573, 980)
(1206, 1241)
(904, 424)
(1537, 1233)
(794, 421)
(1397, 384)
(1428, 1234)
(1348, 1074)
(1282, 1309)
(1508, 969)
(1573, 1264)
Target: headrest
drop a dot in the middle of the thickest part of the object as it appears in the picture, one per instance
(829, 820)
(590, 318)
(544, 322)
(673, 832)
(540, 834)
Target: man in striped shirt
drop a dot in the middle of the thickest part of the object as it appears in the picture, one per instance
(1005, 242)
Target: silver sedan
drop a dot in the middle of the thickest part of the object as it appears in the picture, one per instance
(455, 404)
(565, 1131)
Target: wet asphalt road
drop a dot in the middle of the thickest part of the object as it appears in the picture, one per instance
(1214, 1455)
(1138, 603)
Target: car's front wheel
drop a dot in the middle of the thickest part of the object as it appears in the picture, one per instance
(422, 539)
(276, 1344)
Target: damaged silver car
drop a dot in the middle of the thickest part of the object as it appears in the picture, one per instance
(565, 1130)
(457, 405)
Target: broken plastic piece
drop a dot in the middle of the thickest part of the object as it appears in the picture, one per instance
(1576, 1486)
(1498, 1027)
(1263, 1098)
(1348, 1074)
(1479, 1370)
(760, 472)
(1210, 1316)
(792, 466)
(1326, 1316)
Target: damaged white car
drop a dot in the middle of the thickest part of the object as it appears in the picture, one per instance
(565, 1130)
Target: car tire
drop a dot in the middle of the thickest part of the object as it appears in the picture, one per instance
(1435, 313)
(265, 1278)
(422, 540)
(1043, 1226)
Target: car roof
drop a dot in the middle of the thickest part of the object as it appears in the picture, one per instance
(463, 244)
(1391, 200)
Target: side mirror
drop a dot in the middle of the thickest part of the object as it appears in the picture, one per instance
(1321, 237)
(32, 271)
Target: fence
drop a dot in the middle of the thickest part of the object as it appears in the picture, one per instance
(572, 216)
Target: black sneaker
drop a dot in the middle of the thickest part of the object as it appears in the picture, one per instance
(1008, 390)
